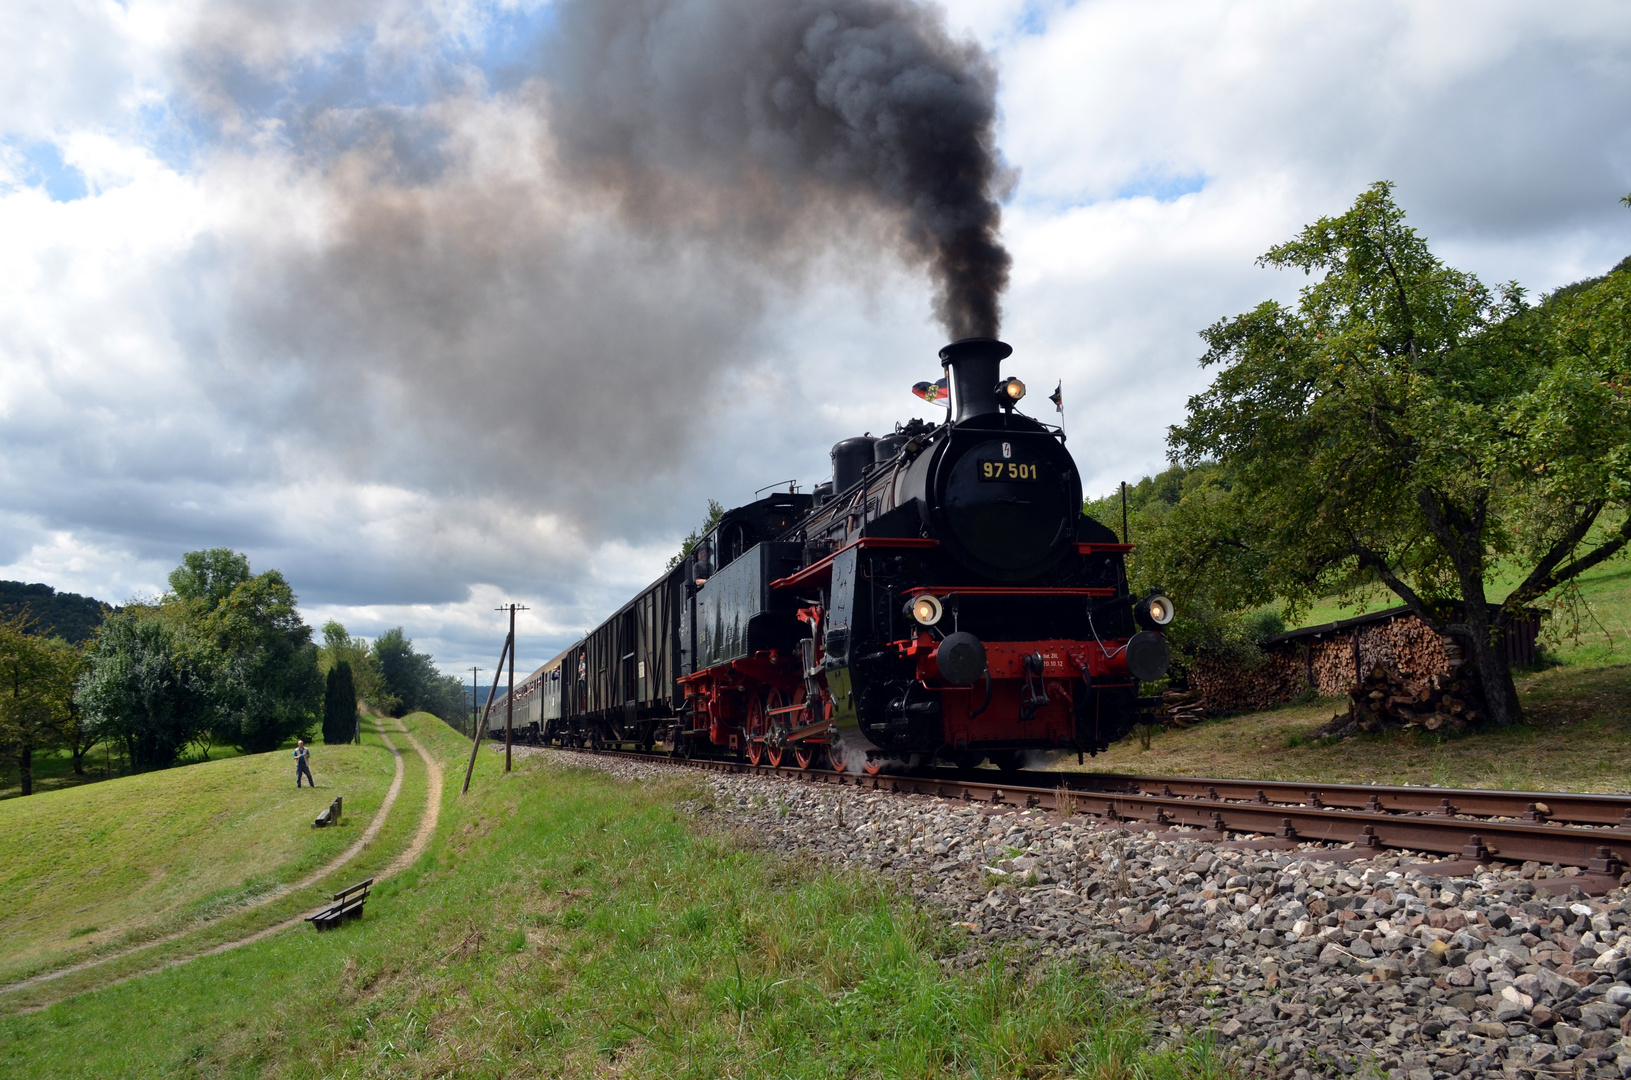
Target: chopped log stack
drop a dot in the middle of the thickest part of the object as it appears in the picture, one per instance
(1446, 703)
(1230, 687)
(1409, 650)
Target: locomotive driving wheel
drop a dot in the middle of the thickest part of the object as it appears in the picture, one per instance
(756, 729)
(835, 756)
(778, 724)
(804, 754)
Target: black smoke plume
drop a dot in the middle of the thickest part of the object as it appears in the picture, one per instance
(508, 309)
(751, 117)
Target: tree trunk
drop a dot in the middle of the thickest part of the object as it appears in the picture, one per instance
(1488, 648)
(1461, 531)
(25, 769)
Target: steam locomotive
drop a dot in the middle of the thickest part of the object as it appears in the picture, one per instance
(942, 599)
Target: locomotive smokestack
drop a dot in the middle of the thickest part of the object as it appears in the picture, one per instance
(972, 366)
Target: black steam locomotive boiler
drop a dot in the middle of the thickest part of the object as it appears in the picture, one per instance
(944, 598)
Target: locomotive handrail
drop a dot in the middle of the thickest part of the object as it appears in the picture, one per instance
(819, 569)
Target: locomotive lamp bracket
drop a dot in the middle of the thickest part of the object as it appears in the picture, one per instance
(925, 610)
(1009, 392)
(1154, 611)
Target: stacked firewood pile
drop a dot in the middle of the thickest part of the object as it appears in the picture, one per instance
(1226, 686)
(1182, 708)
(1446, 703)
(1405, 645)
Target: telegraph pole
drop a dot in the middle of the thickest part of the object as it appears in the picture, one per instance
(475, 708)
(481, 724)
(509, 699)
(509, 704)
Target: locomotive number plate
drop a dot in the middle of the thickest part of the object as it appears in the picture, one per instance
(1008, 470)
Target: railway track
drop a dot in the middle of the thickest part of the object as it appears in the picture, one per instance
(1592, 832)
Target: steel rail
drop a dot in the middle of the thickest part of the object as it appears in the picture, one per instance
(1533, 806)
(1600, 850)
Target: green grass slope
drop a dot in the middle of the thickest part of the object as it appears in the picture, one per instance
(1577, 738)
(54, 769)
(91, 868)
(564, 924)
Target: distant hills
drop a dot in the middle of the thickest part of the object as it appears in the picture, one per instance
(55, 614)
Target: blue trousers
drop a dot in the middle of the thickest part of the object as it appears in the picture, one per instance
(302, 769)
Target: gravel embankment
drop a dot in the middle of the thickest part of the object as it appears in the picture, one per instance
(1300, 965)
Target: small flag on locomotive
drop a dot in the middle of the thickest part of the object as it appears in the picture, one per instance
(935, 392)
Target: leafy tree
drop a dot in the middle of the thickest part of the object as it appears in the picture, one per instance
(206, 578)
(716, 514)
(266, 685)
(224, 655)
(413, 680)
(78, 737)
(147, 684)
(1162, 512)
(1405, 424)
(339, 646)
(404, 677)
(339, 705)
(36, 682)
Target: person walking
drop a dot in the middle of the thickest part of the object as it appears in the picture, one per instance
(301, 767)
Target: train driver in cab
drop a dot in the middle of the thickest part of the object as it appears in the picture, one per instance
(704, 566)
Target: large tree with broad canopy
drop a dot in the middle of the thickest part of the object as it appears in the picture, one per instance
(1405, 424)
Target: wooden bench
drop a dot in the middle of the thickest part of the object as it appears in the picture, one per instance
(347, 905)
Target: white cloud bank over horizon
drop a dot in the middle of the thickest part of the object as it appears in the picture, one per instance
(221, 324)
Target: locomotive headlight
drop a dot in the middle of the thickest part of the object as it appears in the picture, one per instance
(1013, 388)
(926, 610)
(1154, 610)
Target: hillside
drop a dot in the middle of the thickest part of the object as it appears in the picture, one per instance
(57, 614)
(89, 869)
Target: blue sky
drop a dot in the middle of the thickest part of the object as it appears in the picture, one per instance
(308, 280)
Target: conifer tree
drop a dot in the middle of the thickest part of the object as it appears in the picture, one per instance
(339, 705)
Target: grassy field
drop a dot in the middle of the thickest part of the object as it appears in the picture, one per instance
(54, 769)
(1578, 738)
(93, 868)
(564, 924)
